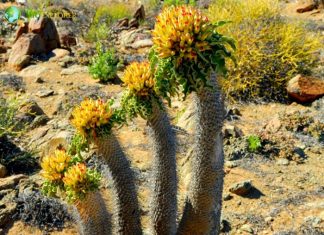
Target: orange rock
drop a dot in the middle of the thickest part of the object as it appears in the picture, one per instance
(305, 89)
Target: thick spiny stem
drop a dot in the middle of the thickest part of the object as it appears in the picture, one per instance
(164, 195)
(205, 193)
(126, 215)
(91, 215)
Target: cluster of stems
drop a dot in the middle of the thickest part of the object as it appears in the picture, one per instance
(202, 209)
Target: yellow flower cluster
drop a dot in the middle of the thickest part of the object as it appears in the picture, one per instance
(89, 115)
(53, 166)
(182, 32)
(139, 79)
(75, 176)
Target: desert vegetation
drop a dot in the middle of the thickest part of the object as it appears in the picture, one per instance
(173, 117)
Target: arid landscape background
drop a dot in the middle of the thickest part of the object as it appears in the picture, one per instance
(273, 148)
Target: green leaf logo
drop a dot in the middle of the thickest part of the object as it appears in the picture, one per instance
(12, 14)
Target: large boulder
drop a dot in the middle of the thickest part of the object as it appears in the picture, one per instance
(27, 44)
(305, 89)
(46, 28)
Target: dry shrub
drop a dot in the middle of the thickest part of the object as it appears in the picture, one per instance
(270, 49)
(104, 17)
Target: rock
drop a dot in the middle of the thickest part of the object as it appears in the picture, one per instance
(39, 121)
(282, 162)
(21, 30)
(31, 108)
(305, 89)
(133, 23)
(274, 125)
(3, 171)
(225, 226)
(127, 37)
(319, 104)
(241, 188)
(233, 114)
(27, 44)
(268, 219)
(231, 164)
(247, 228)
(46, 28)
(67, 38)
(58, 53)
(7, 206)
(313, 220)
(60, 139)
(122, 23)
(22, 62)
(74, 69)
(39, 80)
(11, 82)
(139, 14)
(36, 25)
(11, 181)
(45, 93)
(142, 43)
(33, 71)
(227, 197)
(232, 131)
(3, 49)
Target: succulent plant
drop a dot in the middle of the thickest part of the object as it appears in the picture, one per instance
(95, 120)
(181, 32)
(186, 46)
(53, 166)
(73, 182)
(79, 180)
(91, 118)
(139, 80)
(187, 53)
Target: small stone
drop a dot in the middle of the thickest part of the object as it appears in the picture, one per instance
(122, 23)
(283, 162)
(232, 131)
(33, 71)
(11, 181)
(74, 69)
(3, 171)
(274, 125)
(39, 121)
(227, 197)
(313, 220)
(133, 23)
(241, 188)
(39, 80)
(59, 53)
(45, 93)
(268, 219)
(231, 164)
(247, 228)
(142, 44)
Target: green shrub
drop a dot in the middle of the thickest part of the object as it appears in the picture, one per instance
(254, 143)
(270, 49)
(8, 111)
(103, 19)
(179, 2)
(104, 65)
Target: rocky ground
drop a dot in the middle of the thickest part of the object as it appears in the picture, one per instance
(276, 188)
